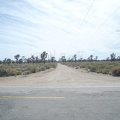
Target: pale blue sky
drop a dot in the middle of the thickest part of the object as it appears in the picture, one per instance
(64, 26)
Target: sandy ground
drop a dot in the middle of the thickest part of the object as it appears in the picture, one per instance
(62, 76)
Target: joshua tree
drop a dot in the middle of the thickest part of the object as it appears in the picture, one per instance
(52, 59)
(113, 55)
(17, 57)
(0, 62)
(44, 56)
(75, 57)
(5, 61)
(36, 59)
(90, 58)
(96, 58)
(33, 59)
(118, 58)
(107, 58)
(8, 61)
(63, 59)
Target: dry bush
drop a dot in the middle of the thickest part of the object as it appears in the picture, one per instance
(116, 71)
(24, 69)
(112, 68)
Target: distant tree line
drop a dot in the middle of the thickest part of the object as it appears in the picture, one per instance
(43, 59)
(33, 59)
(91, 58)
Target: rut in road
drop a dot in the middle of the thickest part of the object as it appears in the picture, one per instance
(62, 75)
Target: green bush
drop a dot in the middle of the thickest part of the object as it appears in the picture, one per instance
(24, 69)
(99, 71)
(105, 71)
(93, 69)
(43, 69)
(54, 65)
(98, 67)
(3, 72)
(116, 71)
(47, 66)
(33, 70)
(26, 73)
(11, 72)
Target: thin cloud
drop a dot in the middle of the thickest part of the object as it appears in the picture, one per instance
(56, 25)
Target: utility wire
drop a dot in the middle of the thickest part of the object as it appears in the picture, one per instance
(107, 19)
(88, 12)
(85, 17)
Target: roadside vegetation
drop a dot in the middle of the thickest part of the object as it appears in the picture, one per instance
(105, 67)
(24, 69)
(110, 65)
(24, 66)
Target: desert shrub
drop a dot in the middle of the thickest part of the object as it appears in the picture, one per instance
(33, 70)
(24, 69)
(116, 71)
(77, 67)
(98, 66)
(93, 69)
(99, 71)
(18, 72)
(42, 68)
(54, 65)
(11, 72)
(26, 73)
(105, 71)
(47, 66)
(3, 72)
(82, 66)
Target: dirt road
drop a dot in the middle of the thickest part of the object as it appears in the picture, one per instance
(62, 76)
